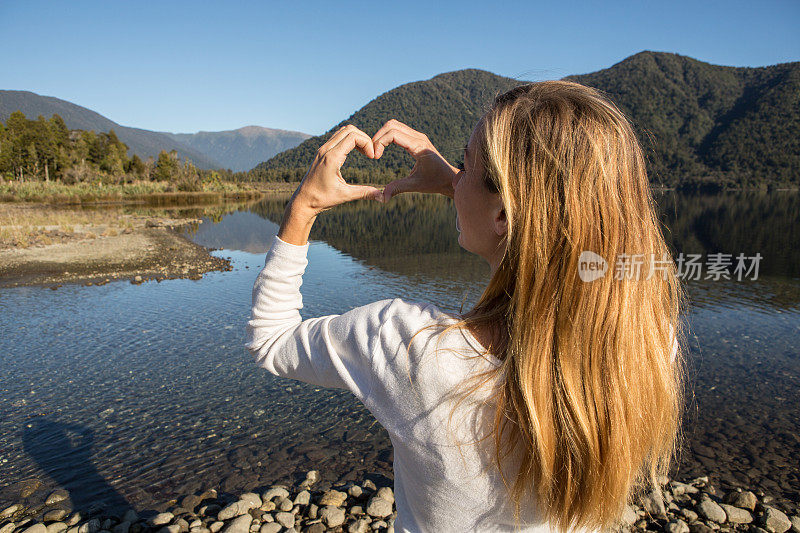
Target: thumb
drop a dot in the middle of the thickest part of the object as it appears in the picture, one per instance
(364, 192)
(396, 187)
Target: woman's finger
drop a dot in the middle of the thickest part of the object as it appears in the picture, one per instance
(364, 192)
(412, 144)
(396, 125)
(397, 187)
(336, 138)
(354, 138)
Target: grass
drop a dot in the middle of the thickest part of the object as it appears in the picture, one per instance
(53, 192)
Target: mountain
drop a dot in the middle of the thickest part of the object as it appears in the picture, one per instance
(144, 143)
(240, 149)
(709, 124)
(444, 107)
(700, 124)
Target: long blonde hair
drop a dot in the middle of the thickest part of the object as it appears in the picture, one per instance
(590, 386)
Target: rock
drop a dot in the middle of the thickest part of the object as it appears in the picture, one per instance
(56, 496)
(356, 510)
(216, 526)
(318, 527)
(122, 527)
(332, 516)
(237, 508)
(795, 520)
(743, 500)
(285, 519)
(182, 524)
(653, 503)
(369, 485)
(689, 515)
(629, 516)
(272, 492)
(312, 511)
(272, 527)
(736, 515)
(332, 497)
(210, 509)
(130, 516)
(285, 505)
(379, 507)
(710, 510)
(91, 526)
(199, 529)
(302, 498)
(362, 525)
(775, 521)
(35, 528)
(379, 524)
(312, 476)
(756, 529)
(355, 491)
(172, 528)
(677, 526)
(700, 528)
(161, 519)
(55, 527)
(10, 510)
(240, 524)
(55, 515)
(195, 523)
(74, 519)
(8, 527)
(386, 494)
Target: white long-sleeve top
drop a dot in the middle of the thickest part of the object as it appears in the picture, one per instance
(407, 386)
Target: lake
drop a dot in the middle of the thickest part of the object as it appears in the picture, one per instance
(136, 394)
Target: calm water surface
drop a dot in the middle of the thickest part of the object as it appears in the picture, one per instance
(133, 395)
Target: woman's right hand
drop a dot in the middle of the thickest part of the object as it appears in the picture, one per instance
(431, 172)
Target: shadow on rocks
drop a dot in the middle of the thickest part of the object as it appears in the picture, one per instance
(64, 452)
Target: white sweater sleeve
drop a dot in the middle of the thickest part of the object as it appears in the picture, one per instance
(330, 351)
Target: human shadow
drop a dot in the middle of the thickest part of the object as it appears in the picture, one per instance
(64, 452)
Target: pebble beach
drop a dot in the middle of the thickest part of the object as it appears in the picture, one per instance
(315, 506)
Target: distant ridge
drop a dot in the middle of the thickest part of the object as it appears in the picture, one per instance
(243, 148)
(700, 124)
(144, 143)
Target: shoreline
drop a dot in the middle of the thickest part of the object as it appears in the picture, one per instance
(315, 506)
(51, 247)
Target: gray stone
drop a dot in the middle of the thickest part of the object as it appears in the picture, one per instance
(10, 510)
(8, 527)
(775, 521)
(36, 528)
(653, 503)
(182, 524)
(629, 516)
(332, 516)
(302, 498)
(253, 499)
(369, 485)
(743, 500)
(700, 527)
(710, 510)
(91, 526)
(317, 527)
(362, 525)
(285, 519)
(795, 520)
(677, 526)
(56, 496)
(216, 526)
(379, 507)
(756, 529)
(238, 508)
(199, 529)
(130, 516)
(107, 523)
(272, 527)
(356, 510)
(209, 510)
(333, 497)
(285, 505)
(736, 515)
(161, 519)
(312, 477)
(122, 527)
(379, 524)
(240, 524)
(355, 491)
(312, 511)
(55, 515)
(56, 527)
(195, 523)
(386, 494)
(74, 519)
(272, 492)
(172, 528)
(267, 506)
(689, 515)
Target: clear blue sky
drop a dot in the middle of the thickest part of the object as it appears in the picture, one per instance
(195, 65)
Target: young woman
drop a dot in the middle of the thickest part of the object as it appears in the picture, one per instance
(558, 395)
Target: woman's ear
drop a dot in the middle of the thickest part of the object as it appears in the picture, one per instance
(501, 222)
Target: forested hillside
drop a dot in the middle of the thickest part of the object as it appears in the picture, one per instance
(702, 125)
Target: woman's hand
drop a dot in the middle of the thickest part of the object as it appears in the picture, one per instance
(431, 172)
(324, 187)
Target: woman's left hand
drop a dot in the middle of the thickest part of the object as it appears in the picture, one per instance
(324, 187)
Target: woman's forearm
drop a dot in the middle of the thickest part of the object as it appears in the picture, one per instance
(296, 224)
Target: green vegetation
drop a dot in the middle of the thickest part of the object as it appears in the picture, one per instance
(43, 160)
(702, 126)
